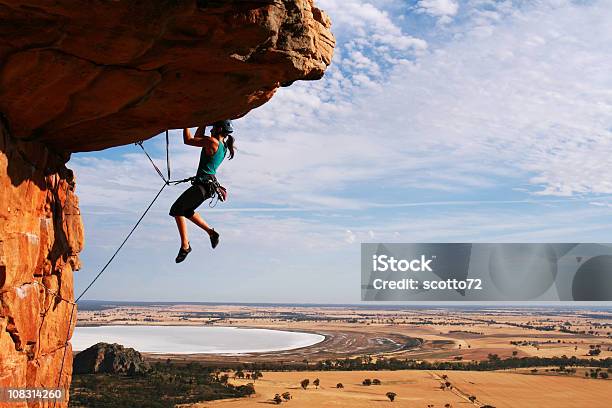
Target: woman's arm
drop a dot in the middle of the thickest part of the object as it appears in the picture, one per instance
(191, 140)
(200, 140)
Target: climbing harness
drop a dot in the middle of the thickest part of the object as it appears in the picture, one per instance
(219, 191)
(211, 184)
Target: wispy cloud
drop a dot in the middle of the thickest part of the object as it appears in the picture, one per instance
(444, 10)
(438, 120)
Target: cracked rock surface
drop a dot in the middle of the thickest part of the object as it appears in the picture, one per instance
(41, 234)
(82, 77)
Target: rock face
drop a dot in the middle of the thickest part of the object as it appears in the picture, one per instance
(40, 237)
(81, 76)
(85, 77)
(109, 358)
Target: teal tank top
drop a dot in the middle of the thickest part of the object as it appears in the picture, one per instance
(209, 164)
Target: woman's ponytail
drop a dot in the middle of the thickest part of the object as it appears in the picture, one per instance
(229, 143)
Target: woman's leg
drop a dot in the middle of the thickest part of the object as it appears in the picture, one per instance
(199, 221)
(184, 207)
(182, 228)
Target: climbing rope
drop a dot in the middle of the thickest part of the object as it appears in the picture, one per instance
(52, 292)
(167, 154)
(167, 180)
(122, 244)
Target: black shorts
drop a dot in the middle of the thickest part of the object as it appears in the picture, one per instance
(191, 199)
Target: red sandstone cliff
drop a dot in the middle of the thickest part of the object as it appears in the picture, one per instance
(40, 237)
(78, 76)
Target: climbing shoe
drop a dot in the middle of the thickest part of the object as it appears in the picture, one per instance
(214, 238)
(182, 254)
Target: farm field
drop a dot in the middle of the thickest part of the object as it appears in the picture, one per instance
(422, 388)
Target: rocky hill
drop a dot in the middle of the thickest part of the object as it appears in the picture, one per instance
(109, 358)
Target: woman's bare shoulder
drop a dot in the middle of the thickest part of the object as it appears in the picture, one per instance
(211, 146)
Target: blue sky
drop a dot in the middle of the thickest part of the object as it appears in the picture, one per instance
(438, 121)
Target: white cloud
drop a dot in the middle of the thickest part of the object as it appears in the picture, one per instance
(510, 101)
(349, 237)
(404, 42)
(443, 9)
(361, 28)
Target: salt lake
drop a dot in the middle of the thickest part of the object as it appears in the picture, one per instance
(193, 339)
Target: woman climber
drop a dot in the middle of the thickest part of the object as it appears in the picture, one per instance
(204, 184)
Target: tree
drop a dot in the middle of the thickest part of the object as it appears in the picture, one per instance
(277, 399)
(366, 382)
(339, 385)
(493, 357)
(286, 396)
(250, 389)
(472, 398)
(316, 383)
(376, 381)
(391, 396)
(239, 374)
(305, 383)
